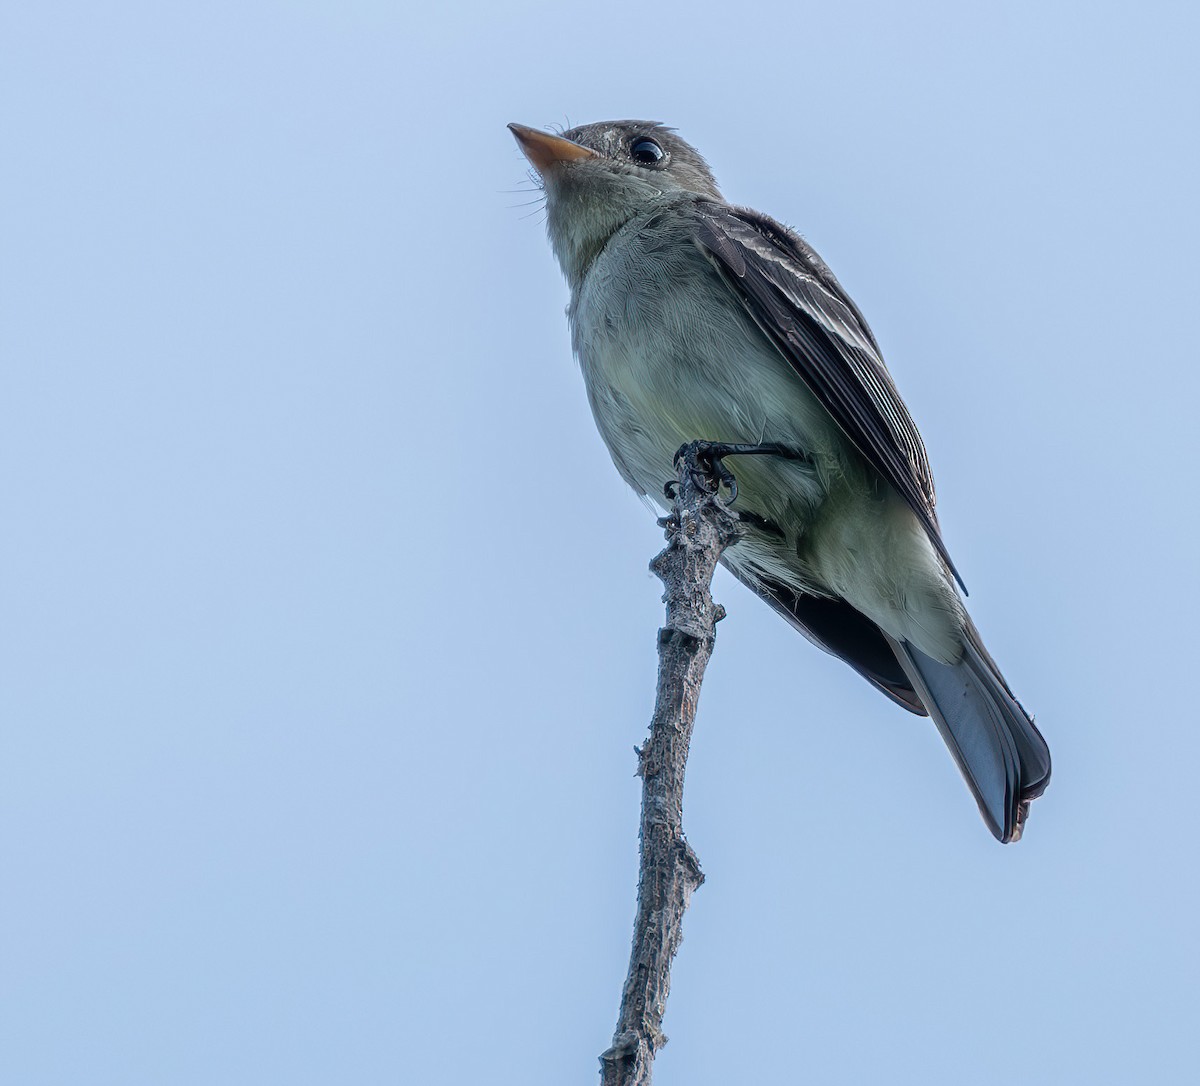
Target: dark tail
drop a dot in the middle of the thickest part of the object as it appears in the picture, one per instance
(1001, 753)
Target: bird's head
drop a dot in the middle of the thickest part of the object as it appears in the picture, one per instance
(599, 176)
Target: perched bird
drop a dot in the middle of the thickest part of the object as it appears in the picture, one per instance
(695, 320)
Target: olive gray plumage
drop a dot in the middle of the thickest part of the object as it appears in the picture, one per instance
(693, 319)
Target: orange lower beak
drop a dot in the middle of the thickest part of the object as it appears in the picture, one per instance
(545, 151)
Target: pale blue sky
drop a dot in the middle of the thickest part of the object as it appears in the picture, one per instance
(327, 628)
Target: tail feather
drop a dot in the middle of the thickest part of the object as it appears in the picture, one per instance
(1002, 755)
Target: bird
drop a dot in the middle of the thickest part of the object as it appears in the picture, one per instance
(697, 320)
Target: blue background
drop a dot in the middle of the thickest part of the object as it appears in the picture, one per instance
(327, 629)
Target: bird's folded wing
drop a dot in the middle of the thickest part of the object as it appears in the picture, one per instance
(802, 309)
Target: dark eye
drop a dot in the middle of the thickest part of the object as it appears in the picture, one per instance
(645, 152)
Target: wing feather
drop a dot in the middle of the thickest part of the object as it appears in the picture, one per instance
(795, 299)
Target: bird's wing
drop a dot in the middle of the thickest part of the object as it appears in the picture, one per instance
(802, 309)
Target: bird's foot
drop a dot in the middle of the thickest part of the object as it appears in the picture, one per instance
(705, 461)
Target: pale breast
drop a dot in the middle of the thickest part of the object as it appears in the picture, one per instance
(669, 356)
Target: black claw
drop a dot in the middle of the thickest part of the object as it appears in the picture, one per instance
(726, 476)
(702, 481)
(708, 457)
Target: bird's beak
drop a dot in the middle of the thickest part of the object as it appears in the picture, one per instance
(545, 151)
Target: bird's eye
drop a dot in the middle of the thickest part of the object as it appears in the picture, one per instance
(645, 152)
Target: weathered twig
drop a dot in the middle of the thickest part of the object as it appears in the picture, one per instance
(698, 531)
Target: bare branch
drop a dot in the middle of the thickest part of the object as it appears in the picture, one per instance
(698, 531)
